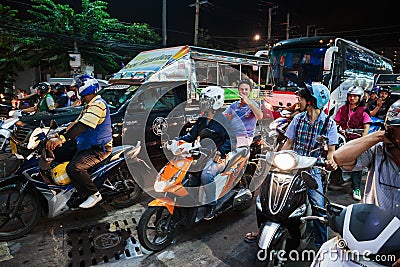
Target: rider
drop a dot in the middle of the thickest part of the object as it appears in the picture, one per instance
(301, 138)
(244, 114)
(211, 102)
(380, 107)
(93, 134)
(62, 100)
(380, 153)
(353, 115)
(46, 101)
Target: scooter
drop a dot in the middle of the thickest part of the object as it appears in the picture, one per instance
(181, 201)
(282, 201)
(29, 191)
(368, 235)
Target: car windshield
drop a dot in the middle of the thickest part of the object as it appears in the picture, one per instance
(116, 95)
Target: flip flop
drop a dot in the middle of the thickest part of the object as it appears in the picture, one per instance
(251, 237)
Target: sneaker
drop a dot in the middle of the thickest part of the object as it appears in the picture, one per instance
(357, 194)
(91, 200)
(210, 213)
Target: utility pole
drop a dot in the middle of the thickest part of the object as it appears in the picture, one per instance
(196, 19)
(287, 25)
(164, 23)
(316, 31)
(270, 22)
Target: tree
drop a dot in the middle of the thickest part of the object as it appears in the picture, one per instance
(101, 40)
(11, 46)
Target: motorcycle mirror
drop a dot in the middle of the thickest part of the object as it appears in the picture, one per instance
(53, 125)
(309, 180)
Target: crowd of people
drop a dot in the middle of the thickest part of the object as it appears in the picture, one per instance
(46, 97)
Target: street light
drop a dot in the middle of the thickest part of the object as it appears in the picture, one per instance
(256, 37)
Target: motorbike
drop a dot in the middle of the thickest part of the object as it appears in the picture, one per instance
(30, 191)
(282, 201)
(377, 124)
(367, 235)
(6, 128)
(181, 201)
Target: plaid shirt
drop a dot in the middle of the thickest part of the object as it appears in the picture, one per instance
(304, 133)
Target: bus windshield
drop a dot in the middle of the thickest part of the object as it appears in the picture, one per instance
(294, 66)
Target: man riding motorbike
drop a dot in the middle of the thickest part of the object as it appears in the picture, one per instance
(46, 101)
(211, 102)
(93, 134)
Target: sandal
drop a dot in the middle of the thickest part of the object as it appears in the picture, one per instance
(251, 237)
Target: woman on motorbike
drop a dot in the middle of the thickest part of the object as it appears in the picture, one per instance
(211, 102)
(353, 115)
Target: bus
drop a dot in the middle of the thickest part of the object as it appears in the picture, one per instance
(334, 62)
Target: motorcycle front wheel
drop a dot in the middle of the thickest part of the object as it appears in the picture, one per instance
(156, 229)
(27, 213)
(124, 182)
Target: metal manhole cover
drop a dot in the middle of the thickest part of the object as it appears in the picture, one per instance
(102, 243)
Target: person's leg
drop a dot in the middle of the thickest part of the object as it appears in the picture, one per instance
(356, 177)
(77, 170)
(320, 229)
(211, 170)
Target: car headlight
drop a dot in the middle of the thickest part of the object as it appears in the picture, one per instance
(285, 161)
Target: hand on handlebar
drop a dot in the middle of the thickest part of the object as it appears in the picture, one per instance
(331, 165)
(53, 143)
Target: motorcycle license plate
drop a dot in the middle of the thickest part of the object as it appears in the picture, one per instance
(13, 146)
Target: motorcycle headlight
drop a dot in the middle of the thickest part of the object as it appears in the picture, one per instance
(285, 161)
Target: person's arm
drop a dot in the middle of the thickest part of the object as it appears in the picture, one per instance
(62, 137)
(331, 164)
(366, 129)
(288, 144)
(347, 155)
(377, 107)
(50, 102)
(253, 106)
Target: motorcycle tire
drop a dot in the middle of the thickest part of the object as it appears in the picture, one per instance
(156, 228)
(27, 216)
(124, 181)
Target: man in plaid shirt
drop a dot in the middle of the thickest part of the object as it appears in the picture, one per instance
(301, 138)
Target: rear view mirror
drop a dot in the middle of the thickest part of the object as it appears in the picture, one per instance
(309, 180)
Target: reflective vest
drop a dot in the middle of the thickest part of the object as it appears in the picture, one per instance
(98, 136)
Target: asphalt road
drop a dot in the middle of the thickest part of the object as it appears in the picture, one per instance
(68, 240)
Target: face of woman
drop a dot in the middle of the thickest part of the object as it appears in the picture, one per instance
(353, 99)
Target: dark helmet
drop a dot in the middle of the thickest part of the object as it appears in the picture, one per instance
(59, 87)
(393, 115)
(42, 88)
(385, 88)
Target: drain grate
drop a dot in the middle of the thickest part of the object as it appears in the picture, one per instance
(102, 243)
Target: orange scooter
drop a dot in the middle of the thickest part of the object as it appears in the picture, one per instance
(182, 200)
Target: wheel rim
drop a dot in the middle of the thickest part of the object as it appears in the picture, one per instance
(157, 229)
(129, 185)
(24, 216)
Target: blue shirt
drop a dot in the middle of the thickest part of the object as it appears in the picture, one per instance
(243, 119)
(304, 133)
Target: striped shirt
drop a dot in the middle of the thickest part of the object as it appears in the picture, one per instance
(304, 133)
(94, 113)
(382, 187)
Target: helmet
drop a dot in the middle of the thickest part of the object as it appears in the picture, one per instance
(212, 97)
(87, 85)
(393, 114)
(317, 94)
(58, 86)
(385, 88)
(42, 88)
(356, 90)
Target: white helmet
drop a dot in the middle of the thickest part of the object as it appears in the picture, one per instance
(212, 97)
(356, 90)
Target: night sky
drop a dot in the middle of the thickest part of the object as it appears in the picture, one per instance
(230, 20)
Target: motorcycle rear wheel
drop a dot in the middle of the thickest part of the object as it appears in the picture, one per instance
(124, 181)
(156, 228)
(27, 216)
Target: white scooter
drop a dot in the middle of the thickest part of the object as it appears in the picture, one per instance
(368, 236)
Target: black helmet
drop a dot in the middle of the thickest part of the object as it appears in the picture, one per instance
(58, 87)
(393, 115)
(385, 88)
(42, 88)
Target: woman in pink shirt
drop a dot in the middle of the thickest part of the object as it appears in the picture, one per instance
(354, 120)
